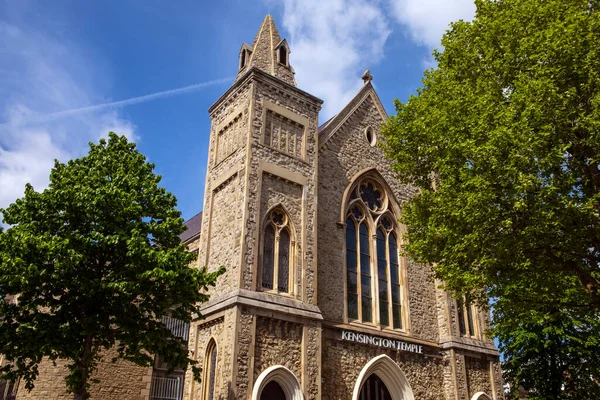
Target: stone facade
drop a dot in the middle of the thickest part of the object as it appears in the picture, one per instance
(279, 193)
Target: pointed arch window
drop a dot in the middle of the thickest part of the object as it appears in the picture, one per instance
(277, 254)
(210, 371)
(372, 260)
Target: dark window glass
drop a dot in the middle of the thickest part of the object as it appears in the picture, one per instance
(268, 258)
(352, 306)
(365, 273)
(384, 312)
(395, 281)
(374, 389)
(351, 270)
(212, 372)
(283, 55)
(469, 315)
(461, 317)
(272, 391)
(243, 61)
(284, 261)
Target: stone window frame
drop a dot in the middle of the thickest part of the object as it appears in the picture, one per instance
(285, 113)
(371, 136)
(467, 315)
(210, 374)
(282, 44)
(389, 207)
(287, 225)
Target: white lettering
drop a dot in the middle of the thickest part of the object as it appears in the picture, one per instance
(381, 342)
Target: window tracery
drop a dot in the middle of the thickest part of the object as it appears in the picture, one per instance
(372, 260)
(278, 250)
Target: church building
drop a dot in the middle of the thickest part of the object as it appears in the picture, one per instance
(318, 301)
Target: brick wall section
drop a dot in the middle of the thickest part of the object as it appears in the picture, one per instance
(121, 380)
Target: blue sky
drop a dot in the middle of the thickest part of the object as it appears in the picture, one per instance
(63, 62)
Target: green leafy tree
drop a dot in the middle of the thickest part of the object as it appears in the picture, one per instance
(94, 262)
(551, 353)
(503, 141)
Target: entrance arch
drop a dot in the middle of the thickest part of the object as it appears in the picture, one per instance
(481, 396)
(285, 381)
(389, 373)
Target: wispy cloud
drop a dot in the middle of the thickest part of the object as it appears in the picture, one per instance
(122, 103)
(41, 74)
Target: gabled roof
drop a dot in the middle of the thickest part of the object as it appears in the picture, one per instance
(194, 226)
(328, 129)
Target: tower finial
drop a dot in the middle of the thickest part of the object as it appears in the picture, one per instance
(367, 77)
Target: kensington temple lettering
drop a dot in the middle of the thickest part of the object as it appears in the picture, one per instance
(382, 342)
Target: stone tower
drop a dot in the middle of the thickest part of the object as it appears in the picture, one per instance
(260, 194)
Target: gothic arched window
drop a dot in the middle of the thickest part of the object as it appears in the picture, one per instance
(210, 371)
(277, 255)
(372, 261)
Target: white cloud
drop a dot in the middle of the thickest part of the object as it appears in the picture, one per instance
(427, 20)
(40, 74)
(332, 43)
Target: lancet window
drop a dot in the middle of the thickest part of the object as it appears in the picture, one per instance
(278, 250)
(467, 312)
(374, 284)
(210, 371)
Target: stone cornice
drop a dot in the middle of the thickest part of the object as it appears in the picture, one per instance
(262, 300)
(476, 347)
(258, 74)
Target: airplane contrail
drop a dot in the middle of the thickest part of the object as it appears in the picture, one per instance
(123, 103)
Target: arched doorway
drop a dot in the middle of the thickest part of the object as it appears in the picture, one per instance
(272, 391)
(374, 389)
(277, 383)
(382, 377)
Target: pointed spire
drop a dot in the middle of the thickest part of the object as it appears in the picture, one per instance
(268, 53)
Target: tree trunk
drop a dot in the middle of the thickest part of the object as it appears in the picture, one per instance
(82, 370)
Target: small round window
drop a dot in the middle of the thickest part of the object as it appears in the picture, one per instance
(370, 136)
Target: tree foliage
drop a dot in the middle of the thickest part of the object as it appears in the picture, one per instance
(552, 353)
(503, 140)
(95, 261)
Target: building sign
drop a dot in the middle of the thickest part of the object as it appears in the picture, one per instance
(382, 342)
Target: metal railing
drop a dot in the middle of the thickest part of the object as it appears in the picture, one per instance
(178, 327)
(165, 388)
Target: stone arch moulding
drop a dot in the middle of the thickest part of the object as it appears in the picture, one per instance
(376, 176)
(284, 377)
(481, 396)
(391, 375)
